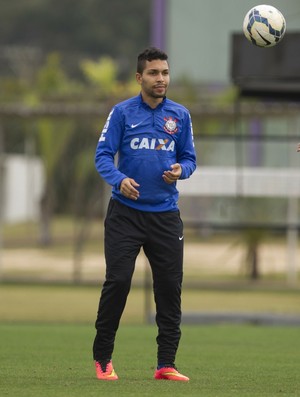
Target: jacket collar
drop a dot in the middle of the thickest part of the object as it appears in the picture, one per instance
(145, 105)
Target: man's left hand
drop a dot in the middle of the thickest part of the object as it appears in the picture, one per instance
(172, 176)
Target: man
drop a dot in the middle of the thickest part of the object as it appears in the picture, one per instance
(153, 138)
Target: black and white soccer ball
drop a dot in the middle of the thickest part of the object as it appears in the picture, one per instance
(264, 25)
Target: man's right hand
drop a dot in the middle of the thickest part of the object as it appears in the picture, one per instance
(128, 188)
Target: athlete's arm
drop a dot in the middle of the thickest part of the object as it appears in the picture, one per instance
(186, 155)
(108, 145)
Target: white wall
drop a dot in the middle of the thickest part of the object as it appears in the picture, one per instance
(23, 184)
(199, 31)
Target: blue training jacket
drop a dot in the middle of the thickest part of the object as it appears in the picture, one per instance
(147, 141)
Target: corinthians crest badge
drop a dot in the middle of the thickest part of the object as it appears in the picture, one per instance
(171, 125)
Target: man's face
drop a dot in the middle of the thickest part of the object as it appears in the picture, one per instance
(155, 79)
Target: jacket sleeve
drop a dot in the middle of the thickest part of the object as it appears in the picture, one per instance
(107, 147)
(186, 155)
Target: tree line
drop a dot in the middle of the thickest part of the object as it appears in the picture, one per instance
(75, 29)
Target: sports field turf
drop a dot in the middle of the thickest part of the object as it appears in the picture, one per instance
(41, 360)
(46, 334)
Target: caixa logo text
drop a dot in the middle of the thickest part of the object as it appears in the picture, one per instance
(152, 144)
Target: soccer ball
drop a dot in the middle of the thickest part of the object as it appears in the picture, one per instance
(264, 26)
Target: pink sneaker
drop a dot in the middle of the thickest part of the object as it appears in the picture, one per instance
(106, 371)
(170, 373)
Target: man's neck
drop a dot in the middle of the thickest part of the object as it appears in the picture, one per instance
(152, 102)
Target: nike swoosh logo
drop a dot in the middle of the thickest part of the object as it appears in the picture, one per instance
(180, 238)
(135, 125)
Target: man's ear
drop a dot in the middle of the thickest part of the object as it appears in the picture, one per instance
(138, 78)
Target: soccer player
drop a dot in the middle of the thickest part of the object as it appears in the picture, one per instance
(153, 138)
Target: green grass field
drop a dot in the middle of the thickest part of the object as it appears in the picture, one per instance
(46, 335)
(46, 360)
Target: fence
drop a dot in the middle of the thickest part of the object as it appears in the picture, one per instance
(248, 182)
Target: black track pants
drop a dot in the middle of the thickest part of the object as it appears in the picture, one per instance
(161, 236)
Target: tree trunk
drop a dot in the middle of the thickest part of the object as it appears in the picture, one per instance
(46, 205)
(253, 262)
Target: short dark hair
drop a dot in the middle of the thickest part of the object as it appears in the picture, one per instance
(149, 54)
